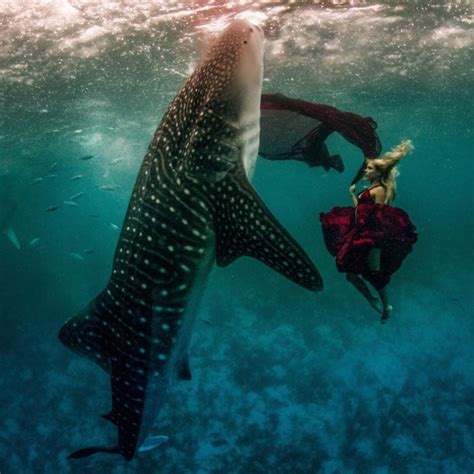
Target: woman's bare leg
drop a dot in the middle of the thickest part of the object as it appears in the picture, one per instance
(363, 289)
(374, 265)
(387, 308)
(374, 259)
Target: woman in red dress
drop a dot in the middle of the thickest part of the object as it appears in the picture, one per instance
(371, 241)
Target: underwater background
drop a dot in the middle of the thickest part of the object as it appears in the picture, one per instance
(283, 380)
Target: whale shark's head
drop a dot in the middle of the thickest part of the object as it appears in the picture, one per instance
(219, 107)
(232, 70)
(244, 88)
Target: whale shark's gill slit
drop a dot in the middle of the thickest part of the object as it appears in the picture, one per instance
(198, 198)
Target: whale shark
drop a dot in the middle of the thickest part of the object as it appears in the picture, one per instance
(192, 206)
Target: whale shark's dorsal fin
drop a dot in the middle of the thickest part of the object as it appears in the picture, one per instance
(111, 417)
(83, 333)
(245, 226)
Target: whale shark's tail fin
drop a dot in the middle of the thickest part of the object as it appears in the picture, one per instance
(82, 453)
(150, 443)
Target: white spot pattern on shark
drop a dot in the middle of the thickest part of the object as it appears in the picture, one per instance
(192, 206)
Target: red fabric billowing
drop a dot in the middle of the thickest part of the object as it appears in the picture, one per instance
(350, 234)
(358, 130)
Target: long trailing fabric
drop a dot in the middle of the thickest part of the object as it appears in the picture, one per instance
(296, 129)
(350, 234)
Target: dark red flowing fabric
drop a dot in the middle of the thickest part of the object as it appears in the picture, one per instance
(296, 129)
(350, 234)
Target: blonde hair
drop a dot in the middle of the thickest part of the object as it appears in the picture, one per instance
(386, 165)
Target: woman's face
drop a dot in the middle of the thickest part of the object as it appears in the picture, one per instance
(371, 171)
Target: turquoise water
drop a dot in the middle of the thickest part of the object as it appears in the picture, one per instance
(283, 380)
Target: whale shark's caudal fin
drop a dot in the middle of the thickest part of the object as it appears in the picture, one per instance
(150, 443)
(245, 226)
(82, 453)
(10, 233)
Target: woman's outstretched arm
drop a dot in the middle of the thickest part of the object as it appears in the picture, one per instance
(353, 195)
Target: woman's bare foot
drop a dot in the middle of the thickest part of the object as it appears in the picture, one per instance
(386, 314)
(361, 286)
(375, 303)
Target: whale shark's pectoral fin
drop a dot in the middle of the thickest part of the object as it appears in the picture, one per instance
(245, 226)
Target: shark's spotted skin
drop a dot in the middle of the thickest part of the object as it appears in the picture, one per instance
(192, 205)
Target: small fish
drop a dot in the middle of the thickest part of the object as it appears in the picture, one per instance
(116, 161)
(37, 180)
(207, 322)
(88, 251)
(71, 203)
(78, 176)
(95, 216)
(109, 187)
(77, 195)
(86, 157)
(34, 242)
(77, 131)
(52, 208)
(77, 256)
(53, 166)
(113, 226)
(50, 176)
(10, 233)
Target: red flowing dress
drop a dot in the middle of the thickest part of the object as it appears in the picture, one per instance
(350, 234)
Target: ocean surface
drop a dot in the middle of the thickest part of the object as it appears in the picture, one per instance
(284, 380)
